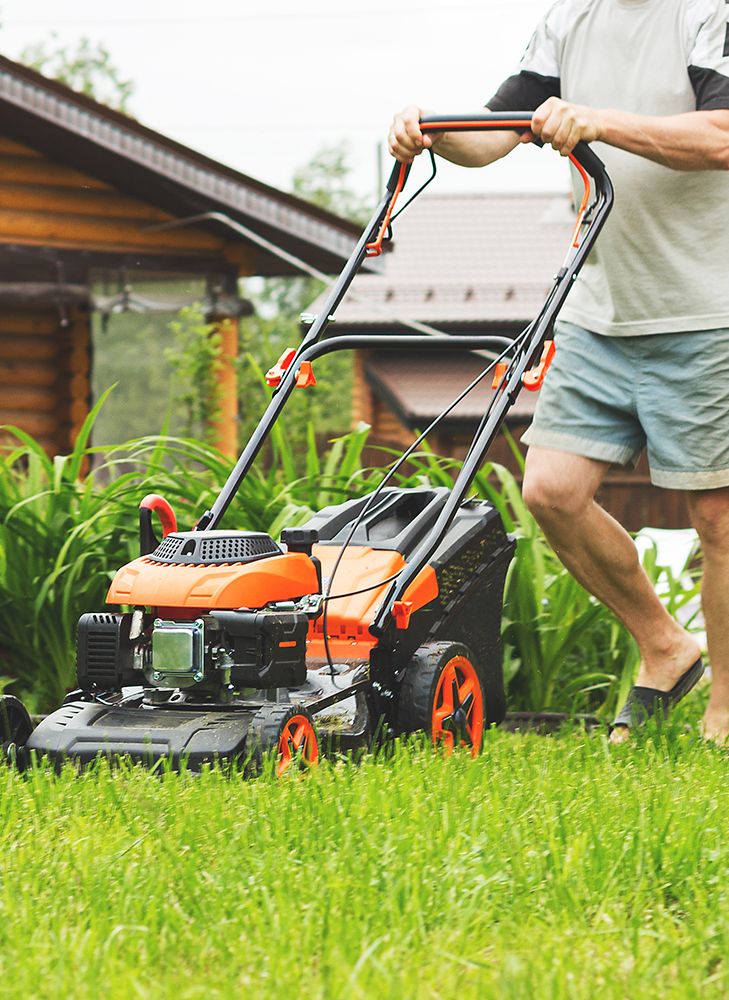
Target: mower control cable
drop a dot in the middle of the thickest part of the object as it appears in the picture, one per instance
(515, 345)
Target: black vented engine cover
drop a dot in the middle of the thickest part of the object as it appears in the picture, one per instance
(213, 548)
(104, 654)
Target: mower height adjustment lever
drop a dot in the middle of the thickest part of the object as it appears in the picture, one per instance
(304, 376)
(533, 378)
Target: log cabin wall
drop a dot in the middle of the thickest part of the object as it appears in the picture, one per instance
(44, 373)
(81, 189)
(45, 349)
(43, 202)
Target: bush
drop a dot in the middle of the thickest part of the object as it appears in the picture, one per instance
(67, 524)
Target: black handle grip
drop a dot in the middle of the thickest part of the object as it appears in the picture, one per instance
(392, 180)
(511, 121)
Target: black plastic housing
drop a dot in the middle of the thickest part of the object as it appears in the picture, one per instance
(397, 520)
(268, 647)
(104, 653)
(470, 565)
(83, 731)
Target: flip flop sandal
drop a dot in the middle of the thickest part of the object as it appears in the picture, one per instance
(644, 702)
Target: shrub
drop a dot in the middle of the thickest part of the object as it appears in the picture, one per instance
(67, 524)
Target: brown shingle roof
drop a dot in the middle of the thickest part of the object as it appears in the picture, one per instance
(418, 388)
(71, 127)
(465, 258)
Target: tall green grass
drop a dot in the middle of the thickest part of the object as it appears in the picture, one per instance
(67, 523)
(556, 868)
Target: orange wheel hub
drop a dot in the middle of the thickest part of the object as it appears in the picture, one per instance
(297, 745)
(457, 718)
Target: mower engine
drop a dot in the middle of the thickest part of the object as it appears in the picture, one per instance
(216, 654)
(183, 644)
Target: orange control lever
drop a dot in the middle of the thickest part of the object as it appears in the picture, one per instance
(304, 376)
(533, 379)
(499, 372)
(401, 612)
(275, 374)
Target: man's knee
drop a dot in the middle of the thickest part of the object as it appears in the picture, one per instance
(554, 490)
(709, 510)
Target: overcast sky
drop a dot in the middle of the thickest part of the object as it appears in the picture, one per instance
(262, 86)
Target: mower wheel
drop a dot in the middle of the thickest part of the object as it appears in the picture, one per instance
(442, 694)
(289, 730)
(15, 723)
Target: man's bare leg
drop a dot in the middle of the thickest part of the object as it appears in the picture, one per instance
(560, 489)
(709, 512)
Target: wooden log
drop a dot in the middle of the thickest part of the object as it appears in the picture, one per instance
(23, 170)
(226, 426)
(92, 233)
(27, 398)
(76, 201)
(27, 348)
(18, 148)
(18, 322)
(26, 373)
(36, 424)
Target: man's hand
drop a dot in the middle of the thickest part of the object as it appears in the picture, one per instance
(405, 139)
(563, 125)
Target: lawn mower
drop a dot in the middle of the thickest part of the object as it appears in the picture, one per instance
(380, 615)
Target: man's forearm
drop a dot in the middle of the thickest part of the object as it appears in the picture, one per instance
(475, 149)
(698, 140)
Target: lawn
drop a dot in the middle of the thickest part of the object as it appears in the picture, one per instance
(551, 867)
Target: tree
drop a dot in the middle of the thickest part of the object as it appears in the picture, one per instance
(87, 69)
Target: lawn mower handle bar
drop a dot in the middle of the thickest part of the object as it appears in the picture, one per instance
(525, 356)
(510, 121)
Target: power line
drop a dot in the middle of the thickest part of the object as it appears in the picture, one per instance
(290, 15)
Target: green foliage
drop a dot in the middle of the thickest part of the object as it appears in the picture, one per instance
(64, 532)
(195, 363)
(325, 181)
(556, 868)
(87, 68)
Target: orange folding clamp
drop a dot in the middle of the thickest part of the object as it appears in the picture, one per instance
(304, 376)
(533, 379)
(401, 612)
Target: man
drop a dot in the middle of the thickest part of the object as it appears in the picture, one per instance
(643, 345)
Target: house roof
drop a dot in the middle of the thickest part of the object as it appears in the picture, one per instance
(460, 259)
(418, 387)
(72, 128)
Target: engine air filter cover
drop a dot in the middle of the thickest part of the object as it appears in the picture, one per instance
(214, 548)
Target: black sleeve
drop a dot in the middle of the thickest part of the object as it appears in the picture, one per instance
(711, 88)
(524, 91)
(708, 60)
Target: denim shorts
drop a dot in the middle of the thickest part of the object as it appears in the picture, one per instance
(608, 398)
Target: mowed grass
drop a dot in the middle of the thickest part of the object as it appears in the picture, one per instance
(550, 867)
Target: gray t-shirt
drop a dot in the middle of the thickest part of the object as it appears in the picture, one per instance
(662, 262)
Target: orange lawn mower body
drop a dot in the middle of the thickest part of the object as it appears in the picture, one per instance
(381, 614)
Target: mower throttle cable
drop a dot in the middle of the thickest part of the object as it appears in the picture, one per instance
(516, 345)
(434, 171)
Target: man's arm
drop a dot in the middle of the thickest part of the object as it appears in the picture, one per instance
(697, 140)
(467, 149)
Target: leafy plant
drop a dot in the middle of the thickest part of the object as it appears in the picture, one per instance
(88, 69)
(195, 362)
(64, 531)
